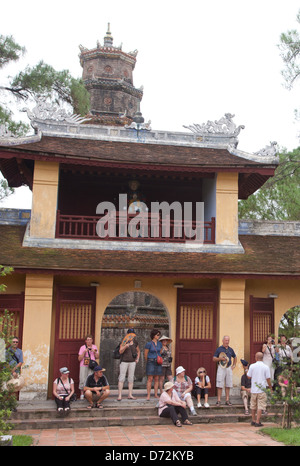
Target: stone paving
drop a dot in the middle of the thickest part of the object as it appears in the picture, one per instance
(237, 434)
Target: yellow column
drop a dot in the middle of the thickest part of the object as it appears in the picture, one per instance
(231, 321)
(36, 335)
(44, 199)
(227, 208)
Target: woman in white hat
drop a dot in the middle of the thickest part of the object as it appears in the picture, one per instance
(63, 389)
(184, 387)
(170, 405)
(166, 354)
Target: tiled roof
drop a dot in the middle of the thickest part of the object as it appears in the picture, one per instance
(264, 256)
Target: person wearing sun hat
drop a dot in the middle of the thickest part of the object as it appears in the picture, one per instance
(184, 387)
(170, 405)
(166, 354)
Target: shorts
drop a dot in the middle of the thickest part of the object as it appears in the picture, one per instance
(124, 367)
(224, 376)
(166, 371)
(84, 372)
(152, 368)
(245, 394)
(258, 401)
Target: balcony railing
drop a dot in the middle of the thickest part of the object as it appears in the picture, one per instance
(133, 227)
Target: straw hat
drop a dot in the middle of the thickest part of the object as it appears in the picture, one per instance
(223, 364)
(164, 337)
(17, 383)
(168, 385)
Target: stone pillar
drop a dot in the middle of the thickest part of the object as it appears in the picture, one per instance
(231, 322)
(227, 208)
(36, 335)
(44, 199)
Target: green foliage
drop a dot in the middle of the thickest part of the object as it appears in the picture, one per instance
(7, 398)
(9, 50)
(41, 80)
(279, 197)
(290, 49)
(286, 393)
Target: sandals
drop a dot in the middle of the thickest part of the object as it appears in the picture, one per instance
(99, 406)
(89, 407)
(187, 423)
(228, 403)
(178, 423)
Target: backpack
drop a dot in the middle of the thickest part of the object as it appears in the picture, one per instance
(116, 352)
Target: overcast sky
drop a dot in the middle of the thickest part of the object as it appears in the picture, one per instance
(197, 60)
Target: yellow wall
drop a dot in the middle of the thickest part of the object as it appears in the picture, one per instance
(44, 199)
(36, 335)
(227, 208)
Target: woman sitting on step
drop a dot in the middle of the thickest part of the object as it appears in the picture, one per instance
(63, 389)
(170, 405)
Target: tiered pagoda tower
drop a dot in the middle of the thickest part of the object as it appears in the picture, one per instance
(108, 76)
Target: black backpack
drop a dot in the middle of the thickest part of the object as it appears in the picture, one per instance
(116, 352)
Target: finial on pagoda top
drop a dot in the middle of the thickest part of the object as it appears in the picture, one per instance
(108, 39)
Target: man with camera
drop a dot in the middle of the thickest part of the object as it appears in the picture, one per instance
(130, 355)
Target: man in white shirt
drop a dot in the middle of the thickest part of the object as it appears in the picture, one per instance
(259, 373)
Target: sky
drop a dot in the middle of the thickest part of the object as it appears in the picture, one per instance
(197, 59)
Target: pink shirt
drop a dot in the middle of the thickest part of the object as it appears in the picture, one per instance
(165, 399)
(84, 351)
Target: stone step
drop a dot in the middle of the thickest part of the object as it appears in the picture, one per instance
(115, 414)
(105, 421)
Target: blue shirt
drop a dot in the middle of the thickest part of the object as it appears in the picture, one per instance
(14, 357)
(228, 351)
(154, 350)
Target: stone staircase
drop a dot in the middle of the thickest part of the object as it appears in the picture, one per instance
(43, 414)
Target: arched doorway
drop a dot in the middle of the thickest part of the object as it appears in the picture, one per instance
(133, 309)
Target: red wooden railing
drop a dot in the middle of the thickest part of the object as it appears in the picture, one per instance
(152, 229)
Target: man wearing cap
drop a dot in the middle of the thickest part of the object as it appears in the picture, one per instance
(96, 388)
(223, 356)
(130, 355)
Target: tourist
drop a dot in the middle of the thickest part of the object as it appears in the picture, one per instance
(63, 389)
(269, 358)
(223, 356)
(14, 357)
(167, 361)
(184, 386)
(153, 369)
(87, 353)
(130, 355)
(259, 373)
(245, 386)
(96, 388)
(170, 405)
(202, 385)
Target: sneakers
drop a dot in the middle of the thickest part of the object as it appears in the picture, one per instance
(206, 405)
(199, 405)
(193, 412)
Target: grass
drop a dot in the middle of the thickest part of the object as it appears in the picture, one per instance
(289, 437)
(22, 441)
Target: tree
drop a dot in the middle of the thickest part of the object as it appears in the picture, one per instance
(7, 398)
(279, 197)
(42, 80)
(290, 53)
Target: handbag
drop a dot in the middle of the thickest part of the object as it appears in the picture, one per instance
(74, 396)
(89, 361)
(159, 359)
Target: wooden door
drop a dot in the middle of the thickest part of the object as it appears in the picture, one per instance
(261, 323)
(196, 332)
(75, 319)
(14, 303)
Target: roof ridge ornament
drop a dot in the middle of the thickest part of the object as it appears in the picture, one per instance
(44, 110)
(224, 126)
(269, 150)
